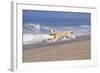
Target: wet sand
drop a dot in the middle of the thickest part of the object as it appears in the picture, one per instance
(78, 49)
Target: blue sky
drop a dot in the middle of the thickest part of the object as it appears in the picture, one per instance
(56, 18)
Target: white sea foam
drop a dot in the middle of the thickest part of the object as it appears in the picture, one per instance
(34, 38)
(29, 38)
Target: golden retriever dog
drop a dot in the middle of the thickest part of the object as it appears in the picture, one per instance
(56, 35)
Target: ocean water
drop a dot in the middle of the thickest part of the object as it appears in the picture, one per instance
(36, 33)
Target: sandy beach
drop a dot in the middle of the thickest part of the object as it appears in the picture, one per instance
(78, 49)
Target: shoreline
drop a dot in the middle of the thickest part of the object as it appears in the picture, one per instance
(43, 44)
(79, 49)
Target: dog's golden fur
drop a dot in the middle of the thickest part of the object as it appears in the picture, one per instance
(59, 35)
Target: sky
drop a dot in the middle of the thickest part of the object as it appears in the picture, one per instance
(56, 18)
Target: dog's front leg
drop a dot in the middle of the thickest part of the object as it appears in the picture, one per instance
(51, 38)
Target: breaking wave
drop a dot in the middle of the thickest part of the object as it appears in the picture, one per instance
(35, 33)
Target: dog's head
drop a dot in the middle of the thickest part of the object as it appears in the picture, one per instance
(52, 32)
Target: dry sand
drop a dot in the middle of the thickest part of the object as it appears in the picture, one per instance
(78, 50)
